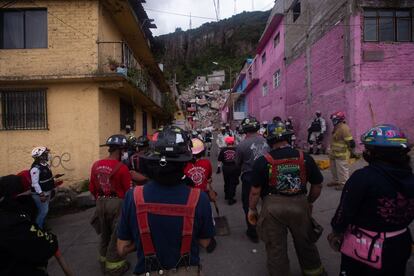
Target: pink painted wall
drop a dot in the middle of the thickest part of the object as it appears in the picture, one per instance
(266, 107)
(379, 92)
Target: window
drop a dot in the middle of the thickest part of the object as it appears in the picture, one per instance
(264, 57)
(23, 110)
(265, 89)
(296, 10)
(23, 29)
(276, 79)
(387, 25)
(127, 114)
(276, 40)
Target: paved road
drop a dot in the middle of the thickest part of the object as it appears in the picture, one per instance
(233, 256)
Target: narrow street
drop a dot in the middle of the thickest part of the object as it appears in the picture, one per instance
(234, 255)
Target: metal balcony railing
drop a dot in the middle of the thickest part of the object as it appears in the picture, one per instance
(117, 57)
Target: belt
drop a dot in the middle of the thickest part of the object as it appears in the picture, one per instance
(283, 194)
(173, 271)
(108, 196)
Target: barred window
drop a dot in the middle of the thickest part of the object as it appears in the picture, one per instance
(23, 110)
(127, 115)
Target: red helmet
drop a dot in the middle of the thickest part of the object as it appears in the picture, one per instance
(338, 117)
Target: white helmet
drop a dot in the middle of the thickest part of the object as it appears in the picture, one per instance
(39, 151)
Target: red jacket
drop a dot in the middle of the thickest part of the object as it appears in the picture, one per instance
(200, 172)
(103, 184)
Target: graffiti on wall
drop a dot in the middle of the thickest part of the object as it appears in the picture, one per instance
(61, 161)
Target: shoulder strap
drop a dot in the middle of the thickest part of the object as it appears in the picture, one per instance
(302, 167)
(143, 225)
(186, 211)
(273, 167)
(116, 169)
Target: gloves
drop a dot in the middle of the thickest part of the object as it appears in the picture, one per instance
(218, 170)
(252, 216)
(335, 241)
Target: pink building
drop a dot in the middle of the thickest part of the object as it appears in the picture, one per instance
(353, 58)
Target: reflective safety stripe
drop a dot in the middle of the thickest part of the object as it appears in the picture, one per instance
(348, 138)
(340, 145)
(114, 265)
(314, 272)
(102, 259)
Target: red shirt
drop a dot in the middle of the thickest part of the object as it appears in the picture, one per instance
(101, 184)
(200, 172)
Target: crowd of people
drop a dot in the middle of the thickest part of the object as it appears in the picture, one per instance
(153, 197)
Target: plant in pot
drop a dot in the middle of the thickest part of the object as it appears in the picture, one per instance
(112, 63)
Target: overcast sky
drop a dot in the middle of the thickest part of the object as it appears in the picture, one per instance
(161, 11)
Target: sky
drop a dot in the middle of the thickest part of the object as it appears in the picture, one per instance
(162, 12)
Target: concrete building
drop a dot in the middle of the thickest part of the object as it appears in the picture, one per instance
(353, 56)
(73, 73)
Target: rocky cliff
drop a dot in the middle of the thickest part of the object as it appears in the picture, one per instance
(228, 42)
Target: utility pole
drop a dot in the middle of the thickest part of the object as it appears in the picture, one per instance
(218, 10)
(191, 24)
(235, 7)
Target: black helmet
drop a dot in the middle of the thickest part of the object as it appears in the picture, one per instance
(142, 141)
(116, 141)
(277, 132)
(170, 144)
(250, 124)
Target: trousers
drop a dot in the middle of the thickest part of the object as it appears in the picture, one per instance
(339, 170)
(231, 180)
(42, 208)
(278, 215)
(247, 183)
(108, 211)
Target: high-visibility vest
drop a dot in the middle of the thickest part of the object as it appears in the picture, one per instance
(339, 145)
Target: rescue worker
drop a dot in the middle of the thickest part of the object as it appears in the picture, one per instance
(231, 171)
(342, 147)
(24, 248)
(109, 181)
(154, 220)
(289, 127)
(280, 176)
(220, 144)
(229, 131)
(248, 151)
(208, 138)
(263, 127)
(136, 166)
(316, 132)
(129, 134)
(239, 135)
(370, 226)
(43, 183)
(199, 169)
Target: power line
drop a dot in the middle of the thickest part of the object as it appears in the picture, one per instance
(181, 14)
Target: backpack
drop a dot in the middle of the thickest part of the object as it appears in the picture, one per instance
(26, 179)
(283, 175)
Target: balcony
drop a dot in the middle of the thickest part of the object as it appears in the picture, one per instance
(118, 59)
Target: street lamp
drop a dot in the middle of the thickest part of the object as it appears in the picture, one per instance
(216, 63)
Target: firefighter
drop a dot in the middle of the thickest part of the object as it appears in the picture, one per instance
(109, 181)
(289, 127)
(136, 164)
(342, 147)
(231, 171)
(220, 144)
(280, 176)
(199, 169)
(251, 148)
(43, 182)
(370, 226)
(166, 221)
(24, 248)
(316, 131)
